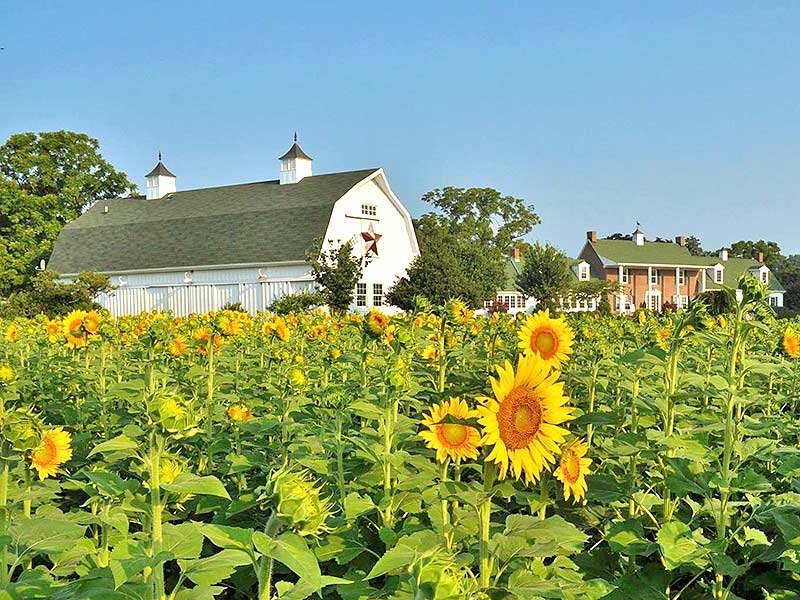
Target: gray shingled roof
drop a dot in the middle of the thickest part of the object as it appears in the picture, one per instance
(260, 222)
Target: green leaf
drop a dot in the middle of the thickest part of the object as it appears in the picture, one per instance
(628, 538)
(677, 545)
(356, 505)
(214, 569)
(189, 483)
(45, 535)
(122, 444)
(404, 553)
(125, 569)
(184, 540)
(291, 550)
(200, 592)
(224, 536)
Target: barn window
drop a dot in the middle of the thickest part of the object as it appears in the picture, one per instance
(369, 210)
(361, 294)
(377, 294)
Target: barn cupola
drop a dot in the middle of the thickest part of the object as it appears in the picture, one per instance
(295, 164)
(160, 181)
(638, 236)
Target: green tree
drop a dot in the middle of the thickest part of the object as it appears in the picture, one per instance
(693, 246)
(336, 270)
(46, 180)
(46, 295)
(463, 247)
(546, 275)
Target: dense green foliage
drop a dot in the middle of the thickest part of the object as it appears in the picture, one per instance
(46, 180)
(47, 296)
(336, 270)
(464, 248)
(225, 456)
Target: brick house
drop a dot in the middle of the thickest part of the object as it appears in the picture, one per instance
(654, 273)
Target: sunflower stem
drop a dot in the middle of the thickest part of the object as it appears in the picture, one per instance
(484, 519)
(4, 470)
(210, 404)
(156, 509)
(446, 526)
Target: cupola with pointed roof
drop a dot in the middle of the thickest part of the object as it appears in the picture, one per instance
(160, 181)
(295, 164)
(638, 235)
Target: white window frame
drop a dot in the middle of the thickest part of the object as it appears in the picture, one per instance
(626, 276)
(583, 272)
(655, 277)
(765, 276)
(377, 294)
(650, 296)
(361, 294)
(773, 301)
(369, 210)
(681, 276)
(718, 275)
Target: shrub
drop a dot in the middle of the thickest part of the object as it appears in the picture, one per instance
(298, 302)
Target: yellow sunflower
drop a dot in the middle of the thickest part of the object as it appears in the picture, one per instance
(377, 321)
(461, 312)
(91, 322)
(73, 329)
(54, 451)
(791, 342)
(12, 333)
(549, 338)
(6, 373)
(178, 345)
(522, 421)
(239, 413)
(170, 469)
(572, 470)
(454, 440)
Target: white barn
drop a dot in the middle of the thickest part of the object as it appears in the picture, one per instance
(197, 250)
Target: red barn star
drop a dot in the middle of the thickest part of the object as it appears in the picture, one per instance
(371, 238)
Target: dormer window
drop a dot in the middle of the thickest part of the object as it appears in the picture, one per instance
(764, 276)
(369, 210)
(583, 272)
(718, 275)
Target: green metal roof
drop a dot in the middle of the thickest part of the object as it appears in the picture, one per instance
(260, 222)
(661, 253)
(734, 268)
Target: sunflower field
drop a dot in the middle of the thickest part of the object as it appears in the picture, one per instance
(427, 455)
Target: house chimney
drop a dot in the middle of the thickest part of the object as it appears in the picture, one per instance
(723, 254)
(681, 241)
(516, 253)
(760, 257)
(160, 181)
(591, 236)
(295, 164)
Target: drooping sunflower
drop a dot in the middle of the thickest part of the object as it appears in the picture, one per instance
(377, 321)
(55, 450)
(549, 338)
(791, 342)
(178, 345)
(454, 440)
(522, 421)
(461, 312)
(572, 470)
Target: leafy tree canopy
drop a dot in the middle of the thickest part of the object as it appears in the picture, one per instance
(464, 247)
(46, 180)
(546, 275)
(336, 270)
(48, 296)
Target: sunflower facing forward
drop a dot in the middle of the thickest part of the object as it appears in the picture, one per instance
(572, 470)
(522, 421)
(454, 440)
(54, 451)
(791, 342)
(549, 338)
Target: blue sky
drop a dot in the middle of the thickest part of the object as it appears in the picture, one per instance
(684, 116)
